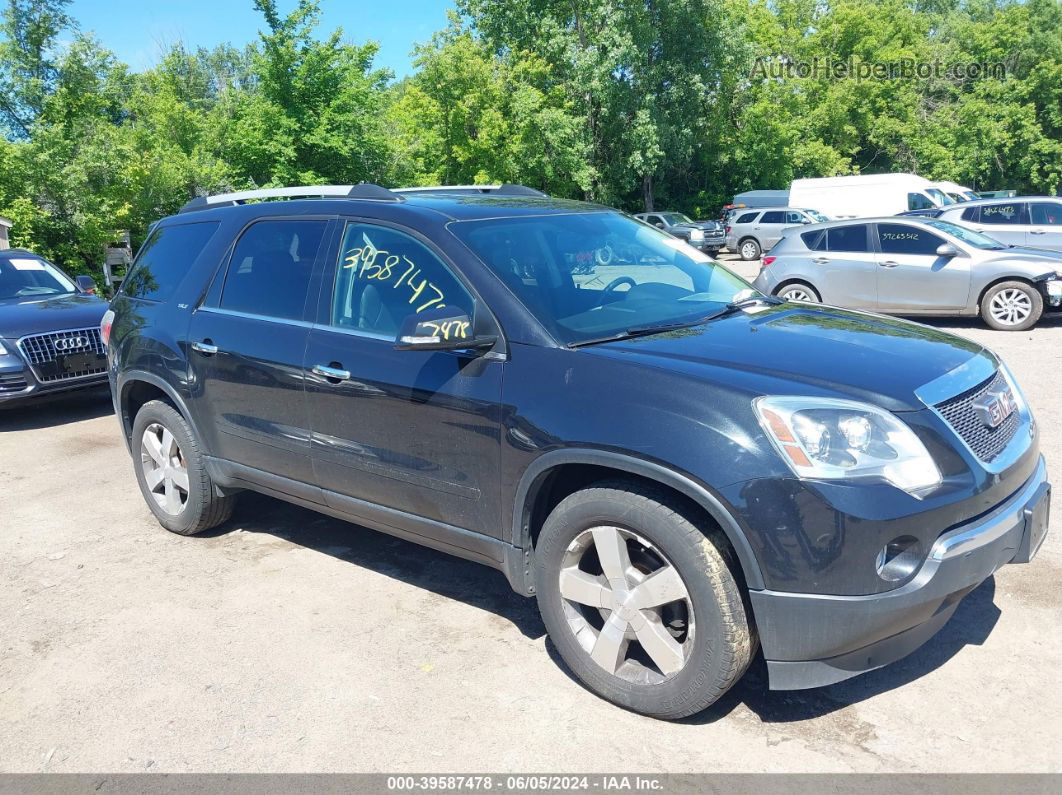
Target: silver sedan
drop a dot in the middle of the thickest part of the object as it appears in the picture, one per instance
(914, 266)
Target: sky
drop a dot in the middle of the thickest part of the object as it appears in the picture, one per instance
(139, 31)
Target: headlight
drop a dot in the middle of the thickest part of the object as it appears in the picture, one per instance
(696, 234)
(832, 439)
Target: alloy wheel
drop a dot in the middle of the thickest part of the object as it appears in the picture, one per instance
(748, 250)
(1010, 307)
(165, 469)
(799, 294)
(627, 605)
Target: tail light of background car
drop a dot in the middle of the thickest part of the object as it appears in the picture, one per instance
(727, 230)
(766, 261)
(105, 327)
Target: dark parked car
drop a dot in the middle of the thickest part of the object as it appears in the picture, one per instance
(706, 236)
(680, 469)
(49, 330)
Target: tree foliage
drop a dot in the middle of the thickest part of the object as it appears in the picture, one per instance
(650, 103)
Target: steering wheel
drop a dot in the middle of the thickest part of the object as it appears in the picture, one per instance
(612, 285)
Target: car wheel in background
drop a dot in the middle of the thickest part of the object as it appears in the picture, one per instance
(640, 602)
(799, 291)
(1012, 306)
(172, 474)
(749, 249)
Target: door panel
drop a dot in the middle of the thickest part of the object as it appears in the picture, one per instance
(247, 346)
(415, 431)
(1046, 228)
(846, 268)
(1007, 222)
(912, 278)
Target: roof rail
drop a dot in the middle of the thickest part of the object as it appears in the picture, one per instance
(505, 189)
(364, 190)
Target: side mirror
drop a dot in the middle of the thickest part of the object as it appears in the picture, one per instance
(85, 284)
(440, 330)
(658, 225)
(947, 250)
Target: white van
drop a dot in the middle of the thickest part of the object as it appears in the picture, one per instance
(956, 192)
(866, 195)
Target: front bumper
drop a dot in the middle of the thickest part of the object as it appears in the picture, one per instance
(18, 384)
(708, 243)
(811, 640)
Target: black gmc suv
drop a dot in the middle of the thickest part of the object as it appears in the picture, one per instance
(679, 468)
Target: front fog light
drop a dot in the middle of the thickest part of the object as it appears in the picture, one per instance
(830, 439)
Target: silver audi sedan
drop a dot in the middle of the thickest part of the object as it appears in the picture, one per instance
(914, 266)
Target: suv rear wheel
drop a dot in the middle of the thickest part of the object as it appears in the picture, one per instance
(172, 474)
(1012, 306)
(749, 249)
(640, 602)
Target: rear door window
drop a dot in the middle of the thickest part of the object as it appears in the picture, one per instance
(903, 239)
(1004, 213)
(269, 272)
(847, 238)
(773, 217)
(165, 258)
(1046, 213)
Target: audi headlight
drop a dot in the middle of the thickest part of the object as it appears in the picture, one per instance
(830, 439)
(696, 234)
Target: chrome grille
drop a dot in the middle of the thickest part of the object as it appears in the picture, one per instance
(40, 349)
(985, 442)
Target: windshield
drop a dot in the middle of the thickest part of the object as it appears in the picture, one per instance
(968, 236)
(815, 215)
(29, 276)
(676, 218)
(939, 196)
(592, 275)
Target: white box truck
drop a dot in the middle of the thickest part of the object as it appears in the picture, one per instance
(866, 195)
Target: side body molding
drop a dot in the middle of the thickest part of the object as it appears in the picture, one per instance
(535, 475)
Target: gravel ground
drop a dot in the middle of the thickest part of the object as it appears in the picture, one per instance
(288, 641)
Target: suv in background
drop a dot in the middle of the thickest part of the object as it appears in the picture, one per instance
(49, 330)
(753, 232)
(1034, 221)
(706, 236)
(679, 468)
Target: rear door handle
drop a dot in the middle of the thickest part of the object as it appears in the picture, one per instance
(1037, 231)
(331, 373)
(821, 260)
(206, 347)
(889, 263)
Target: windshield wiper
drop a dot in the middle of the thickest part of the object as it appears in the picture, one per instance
(659, 328)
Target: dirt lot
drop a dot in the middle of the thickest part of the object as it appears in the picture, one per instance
(287, 641)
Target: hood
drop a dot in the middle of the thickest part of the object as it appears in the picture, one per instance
(823, 351)
(22, 316)
(707, 226)
(1050, 259)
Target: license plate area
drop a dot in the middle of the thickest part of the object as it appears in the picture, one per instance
(1037, 521)
(76, 363)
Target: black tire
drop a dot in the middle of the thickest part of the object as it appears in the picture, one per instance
(795, 288)
(749, 249)
(721, 647)
(1032, 306)
(203, 507)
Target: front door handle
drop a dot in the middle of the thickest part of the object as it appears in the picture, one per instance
(821, 260)
(332, 374)
(1037, 231)
(206, 347)
(889, 263)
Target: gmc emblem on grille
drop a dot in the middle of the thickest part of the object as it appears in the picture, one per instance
(64, 344)
(995, 406)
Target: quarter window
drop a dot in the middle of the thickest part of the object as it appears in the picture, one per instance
(1006, 213)
(269, 273)
(747, 218)
(815, 241)
(1046, 213)
(384, 276)
(902, 239)
(971, 214)
(165, 258)
(848, 238)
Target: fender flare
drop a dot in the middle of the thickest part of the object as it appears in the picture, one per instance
(534, 477)
(128, 377)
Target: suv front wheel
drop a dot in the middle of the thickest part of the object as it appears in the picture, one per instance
(172, 474)
(640, 602)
